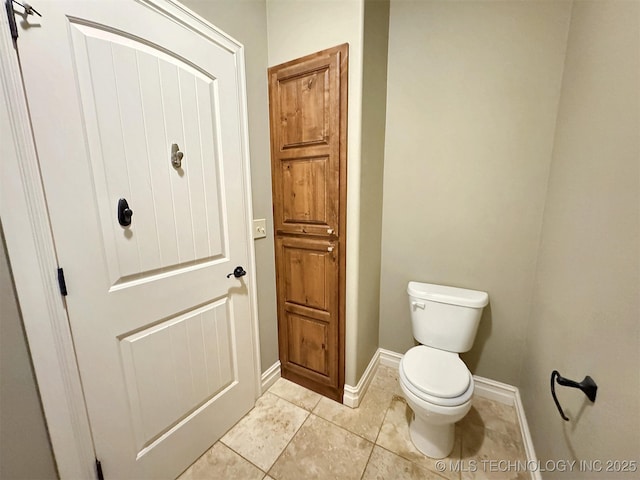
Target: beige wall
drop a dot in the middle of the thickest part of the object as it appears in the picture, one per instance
(374, 94)
(472, 98)
(300, 27)
(25, 451)
(586, 307)
(246, 21)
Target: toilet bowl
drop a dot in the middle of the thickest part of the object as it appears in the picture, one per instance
(435, 382)
(437, 401)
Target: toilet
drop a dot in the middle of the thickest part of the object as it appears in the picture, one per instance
(436, 383)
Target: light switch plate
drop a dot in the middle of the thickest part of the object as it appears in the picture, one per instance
(259, 228)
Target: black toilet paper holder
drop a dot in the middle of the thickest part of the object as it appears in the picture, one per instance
(588, 387)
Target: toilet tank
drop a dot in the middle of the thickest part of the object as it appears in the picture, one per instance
(445, 318)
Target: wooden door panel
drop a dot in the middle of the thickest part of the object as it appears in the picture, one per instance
(308, 115)
(308, 274)
(305, 277)
(307, 343)
(308, 307)
(307, 203)
(305, 109)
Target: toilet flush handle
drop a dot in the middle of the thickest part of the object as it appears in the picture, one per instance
(416, 305)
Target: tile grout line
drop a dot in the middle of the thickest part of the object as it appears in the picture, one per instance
(294, 404)
(461, 450)
(384, 448)
(289, 442)
(375, 441)
(241, 456)
(386, 412)
(350, 431)
(364, 470)
(285, 447)
(229, 446)
(408, 459)
(311, 413)
(411, 462)
(342, 428)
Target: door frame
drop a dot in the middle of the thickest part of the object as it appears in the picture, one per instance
(33, 259)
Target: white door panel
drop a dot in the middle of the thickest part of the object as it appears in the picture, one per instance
(146, 101)
(162, 336)
(176, 367)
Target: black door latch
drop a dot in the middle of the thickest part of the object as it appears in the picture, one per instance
(237, 272)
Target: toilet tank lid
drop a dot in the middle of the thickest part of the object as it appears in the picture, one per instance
(450, 295)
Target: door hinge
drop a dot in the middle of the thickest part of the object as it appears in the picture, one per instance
(62, 283)
(99, 473)
(11, 14)
(8, 5)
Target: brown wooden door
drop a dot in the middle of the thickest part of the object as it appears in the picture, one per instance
(308, 118)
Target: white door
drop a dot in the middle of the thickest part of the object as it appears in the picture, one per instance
(163, 338)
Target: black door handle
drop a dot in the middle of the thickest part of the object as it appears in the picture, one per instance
(237, 272)
(124, 213)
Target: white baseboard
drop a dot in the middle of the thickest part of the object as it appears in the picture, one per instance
(526, 435)
(270, 376)
(389, 358)
(484, 387)
(353, 395)
(509, 395)
(496, 391)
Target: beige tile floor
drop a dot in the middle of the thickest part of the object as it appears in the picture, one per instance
(293, 433)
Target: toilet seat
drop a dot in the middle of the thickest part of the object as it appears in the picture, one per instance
(436, 376)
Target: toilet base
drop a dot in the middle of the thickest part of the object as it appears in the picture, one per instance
(435, 441)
